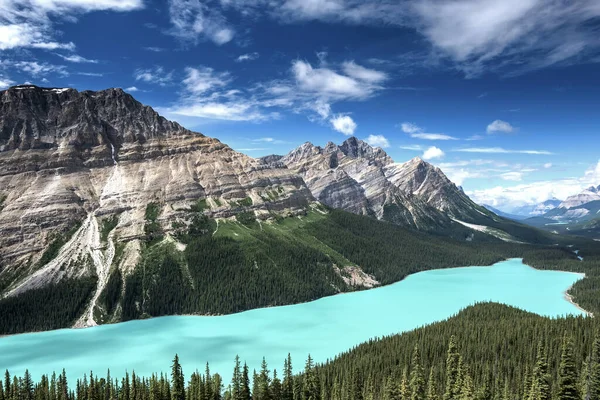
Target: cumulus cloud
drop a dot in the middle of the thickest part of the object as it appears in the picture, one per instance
(417, 132)
(5, 82)
(378, 141)
(500, 126)
(203, 79)
(433, 153)
(343, 124)
(510, 197)
(360, 83)
(30, 23)
(132, 89)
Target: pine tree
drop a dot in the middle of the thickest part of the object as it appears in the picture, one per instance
(594, 374)
(264, 381)
(567, 374)
(245, 384)
(452, 370)
(540, 379)
(27, 386)
(391, 390)
(177, 380)
(217, 387)
(357, 386)
(275, 387)
(467, 391)
(404, 390)
(431, 389)
(236, 381)
(287, 390)
(7, 391)
(417, 380)
(311, 389)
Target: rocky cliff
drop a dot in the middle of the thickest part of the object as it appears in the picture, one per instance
(72, 164)
(359, 178)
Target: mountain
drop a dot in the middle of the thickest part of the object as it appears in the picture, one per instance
(534, 210)
(364, 180)
(110, 212)
(577, 215)
(503, 214)
(587, 196)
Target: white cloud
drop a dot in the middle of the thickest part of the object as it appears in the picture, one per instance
(500, 126)
(30, 23)
(512, 176)
(203, 79)
(155, 49)
(417, 132)
(412, 147)
(34, 68)
(132, 89)
(433, 153)
(247, 57)
(363, 74)
(409, 127)
(329, 84)
(344, 124)
(548, 165)
(378, 141)
(476, 35)
(196, 19)
(5, 82)
(500, 150)
(156, 75)
(229, 111)
(74, 58)
(510, 197)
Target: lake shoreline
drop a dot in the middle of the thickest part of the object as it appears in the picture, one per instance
(567, 297)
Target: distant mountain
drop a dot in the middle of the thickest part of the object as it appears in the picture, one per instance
(590, 194)
(504, 214)
(534, 210)
(577, 215)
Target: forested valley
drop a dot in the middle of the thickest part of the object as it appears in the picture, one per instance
(237, 266)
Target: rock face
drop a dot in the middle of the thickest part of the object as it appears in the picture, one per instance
(587, 196)
(364, 180)
(73, 160)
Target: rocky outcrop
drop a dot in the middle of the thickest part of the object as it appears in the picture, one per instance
(590, 194)
(70, 161)
(359, 178)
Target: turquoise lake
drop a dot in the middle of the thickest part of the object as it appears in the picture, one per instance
(323, 328)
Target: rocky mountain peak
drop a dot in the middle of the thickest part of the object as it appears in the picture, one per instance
(33, 117)
(355, 148)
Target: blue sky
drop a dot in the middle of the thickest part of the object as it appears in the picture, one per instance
(503, 96)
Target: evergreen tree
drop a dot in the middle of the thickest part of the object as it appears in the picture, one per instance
(7, 385)
(217, 387)
(27, 386)
(431, 389)
(391, 390)
(594, 370)
(245, 384)
(404, 390)
(357, 386)
(275, 387)
(540, 379)
(311, 389)
(236, 381)
(567, 374)
(467, 391)
(287, 390)
(452, 370)
(264, 381)
(177, 380)
(417, 380)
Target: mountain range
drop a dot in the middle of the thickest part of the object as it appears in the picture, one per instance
(93, 183)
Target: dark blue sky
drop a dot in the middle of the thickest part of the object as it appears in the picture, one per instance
(503, 97)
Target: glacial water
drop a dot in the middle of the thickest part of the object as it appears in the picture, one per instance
(323, 328)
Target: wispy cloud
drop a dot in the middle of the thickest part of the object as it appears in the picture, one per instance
(500, 150)
(247, 57)
(155, 49)
(5, 82)
(194, 20)
(156, 75)
(34, 68)
(412, 147)
(417, 132)
(74, 58)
